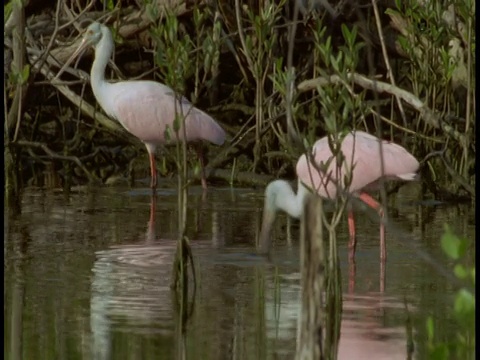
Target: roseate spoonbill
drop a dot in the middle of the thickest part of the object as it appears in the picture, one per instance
(144, 108)
(361, 159)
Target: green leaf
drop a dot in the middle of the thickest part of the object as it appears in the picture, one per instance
(7, 10)
(25, 73)
(196, 169)
(358, 46)
(460, 271)
(346, 33)
(430, 330)
(440, 352)
(177, 122)
(464, 302)
(109, 4)
(152, 12)
(391, 11)
(464, 306)
(397, 4)
(405, 45)
(198, 17)
(248, 45)
(116, 36)
(450, 243)
(168, 133)
(334, 62)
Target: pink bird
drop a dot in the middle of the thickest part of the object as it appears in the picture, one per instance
(362, 161)
(146, 109)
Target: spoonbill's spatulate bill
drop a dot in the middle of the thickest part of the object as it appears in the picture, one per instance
(145, 108)
(362, 161)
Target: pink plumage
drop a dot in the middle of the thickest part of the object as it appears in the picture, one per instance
(145, 108)
(362, 158)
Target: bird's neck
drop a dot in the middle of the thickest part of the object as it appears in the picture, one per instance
(284, 198)
(103, 52)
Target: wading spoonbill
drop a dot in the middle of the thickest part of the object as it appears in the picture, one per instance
(362, 160)
(144, 108)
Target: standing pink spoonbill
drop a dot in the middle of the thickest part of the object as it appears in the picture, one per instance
(362, 160)
(146, 109)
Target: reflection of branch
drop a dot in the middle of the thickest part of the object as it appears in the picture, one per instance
(428, 115)
(54, 155)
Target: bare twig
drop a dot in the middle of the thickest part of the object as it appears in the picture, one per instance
(385, 58)
(429, 116)
(52, 38)
(227, 41)
(78, 101)
(18, 44)
(131, 24)
(291, 130)
(243, 108)
(241, 36)
(91, 177)
(456, 176)
(469, 95)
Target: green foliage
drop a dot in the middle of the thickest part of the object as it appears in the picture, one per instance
(181, 56)
(261, 42)
(280, 79)
(109, 4)
(438, 42)
(19, 77)
(340, 107)
(452, 245)
(252, 43)
(352, 48)
(259, 45)
(463, 345)
(207, 54)
(7, 10)
(173, 52)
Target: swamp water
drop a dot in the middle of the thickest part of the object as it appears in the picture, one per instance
(87, 277)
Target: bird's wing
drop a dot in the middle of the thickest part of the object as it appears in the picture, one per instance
(364, 149)
(361, 160)
(147, 109)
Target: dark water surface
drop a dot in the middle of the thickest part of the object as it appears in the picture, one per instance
(87, 277)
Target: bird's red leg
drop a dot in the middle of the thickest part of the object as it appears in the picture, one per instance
(153, 171)
(382, 275)
(370, 201)
(351, 275)
(352, 244)
(351, 229)
(153, 207)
